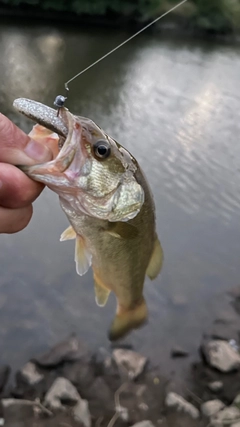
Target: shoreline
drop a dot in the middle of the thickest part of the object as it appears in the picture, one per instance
(175, 25)
(72, 386)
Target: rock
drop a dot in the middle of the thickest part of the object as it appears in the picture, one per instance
(4, 375)
(129, 361)
(66, 351)
(30, 374)
(100, 392)
(61, 391)
(220, 355)
(178, 352)
(145, 423)
(226, 417)
(17, 409)
(215, 386)
(233, 343)
(81, 413)
(236, 401)
(174, 400)
(80, 373)
(211, 407)
(122, 412)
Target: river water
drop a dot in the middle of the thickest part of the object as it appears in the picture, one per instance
(175, 105)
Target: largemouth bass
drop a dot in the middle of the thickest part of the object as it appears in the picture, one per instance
(109, 205)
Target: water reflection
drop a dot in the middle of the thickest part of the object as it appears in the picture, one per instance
(174, 104)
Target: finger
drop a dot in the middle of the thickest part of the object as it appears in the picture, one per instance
(16, 189)
(14, 220)
(18, 148)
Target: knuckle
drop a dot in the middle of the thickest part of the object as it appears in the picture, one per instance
(6, 131)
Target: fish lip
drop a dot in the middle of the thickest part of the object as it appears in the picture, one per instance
(42, 114)
(61, 122)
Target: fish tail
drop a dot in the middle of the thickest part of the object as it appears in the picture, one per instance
(126, 320)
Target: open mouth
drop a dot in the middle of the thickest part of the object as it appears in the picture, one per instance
(63, 133)
(46, 117)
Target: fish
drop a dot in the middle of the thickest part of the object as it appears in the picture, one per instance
(109, 205)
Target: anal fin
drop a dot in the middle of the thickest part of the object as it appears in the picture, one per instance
(83, 257)
(68, 234)
(156, 261)
(101, 292)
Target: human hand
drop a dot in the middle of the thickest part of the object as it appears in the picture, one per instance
(17, 191)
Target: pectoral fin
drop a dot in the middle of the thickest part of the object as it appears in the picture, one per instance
(83, 258)
(101, 293)
(156, 261)
(68, 234)
(122, 230)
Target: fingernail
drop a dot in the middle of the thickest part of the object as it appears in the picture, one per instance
(38, 151)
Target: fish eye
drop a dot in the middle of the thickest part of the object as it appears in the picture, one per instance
(102, 149)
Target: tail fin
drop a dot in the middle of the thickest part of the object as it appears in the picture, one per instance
(126, 320)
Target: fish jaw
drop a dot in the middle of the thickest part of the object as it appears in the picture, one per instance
(53, 173)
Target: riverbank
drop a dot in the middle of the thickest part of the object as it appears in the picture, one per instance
(71, 386)
(185, 21)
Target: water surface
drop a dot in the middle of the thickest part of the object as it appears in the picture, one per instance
(175, 105)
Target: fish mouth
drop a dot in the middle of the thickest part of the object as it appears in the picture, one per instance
(65, 125)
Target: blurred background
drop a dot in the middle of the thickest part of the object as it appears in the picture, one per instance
(171, 97)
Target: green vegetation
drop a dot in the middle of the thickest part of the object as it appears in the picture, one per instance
(128, 8)
(217, 15)
(210, 15)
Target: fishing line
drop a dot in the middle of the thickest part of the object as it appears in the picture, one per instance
(122, 44)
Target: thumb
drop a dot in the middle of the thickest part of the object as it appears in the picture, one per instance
(18, 148)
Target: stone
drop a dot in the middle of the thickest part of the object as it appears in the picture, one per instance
(122, 412)
(145, 423)
(215, 386)
(236, 424)
(79, 373)
(178, 352)
(221, 355)
(129, 361)
(61, 391)
(99, 391)
(4, 375)
(211, 407)
(66, 351)
(17, 409)
(226, 417)
(177, 402)
(236, 401)
(30, 374)
(81, 413)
